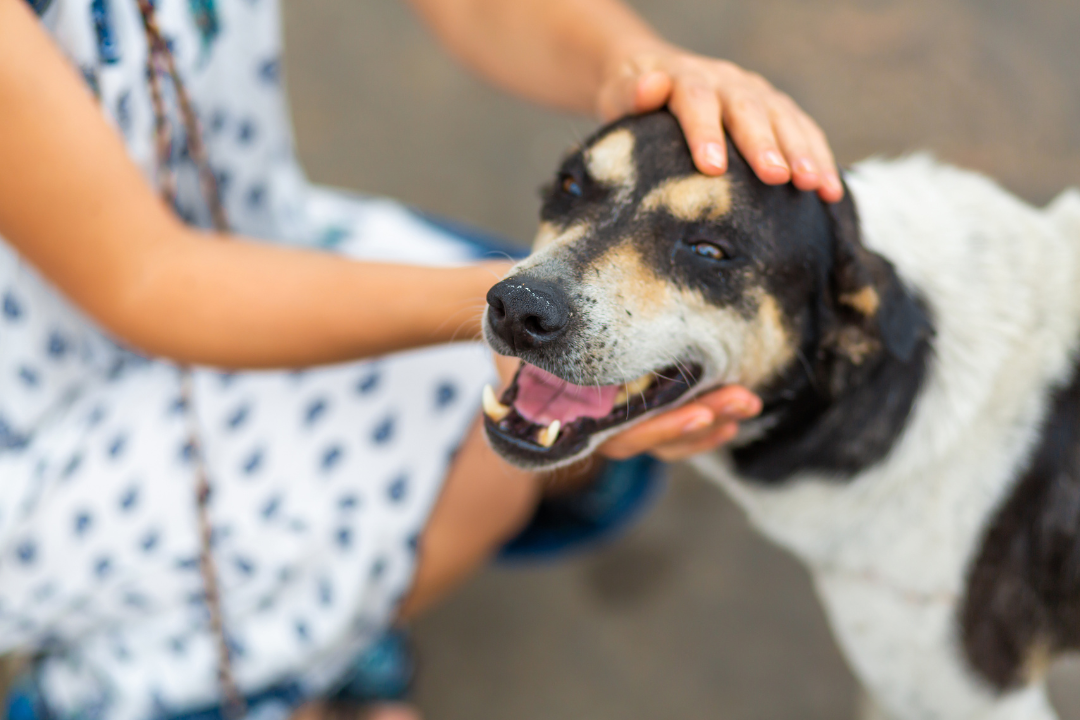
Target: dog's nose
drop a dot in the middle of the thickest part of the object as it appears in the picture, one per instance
(527, 313)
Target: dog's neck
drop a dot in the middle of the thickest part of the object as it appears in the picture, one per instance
(807, 425)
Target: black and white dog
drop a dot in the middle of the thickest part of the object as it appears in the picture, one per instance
(920, 443)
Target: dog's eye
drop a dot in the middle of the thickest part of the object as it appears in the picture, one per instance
(571, 186)
(707, 249)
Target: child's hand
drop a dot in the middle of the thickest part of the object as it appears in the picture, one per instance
(779, 140)
(699, 426)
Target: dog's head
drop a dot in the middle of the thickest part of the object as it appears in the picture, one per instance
(650, 282)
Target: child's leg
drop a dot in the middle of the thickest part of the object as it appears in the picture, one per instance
(484, 502)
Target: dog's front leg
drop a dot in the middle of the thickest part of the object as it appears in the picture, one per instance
(903, 646)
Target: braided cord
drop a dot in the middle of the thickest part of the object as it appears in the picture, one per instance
(160, 62)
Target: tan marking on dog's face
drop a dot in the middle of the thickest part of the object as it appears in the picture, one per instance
(629, 282)
(693, 197)
(865, 301)
(768, 347)
(657, 320)
(611, 160)
(549, 234)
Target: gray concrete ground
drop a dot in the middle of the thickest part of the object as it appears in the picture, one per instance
(691, 615)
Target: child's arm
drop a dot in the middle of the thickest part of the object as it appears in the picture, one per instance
(73, 203)
(597, 56)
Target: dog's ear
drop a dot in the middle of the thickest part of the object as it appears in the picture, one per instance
(868, 306)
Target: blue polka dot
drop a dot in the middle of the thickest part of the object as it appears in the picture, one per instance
(102, 567)
(413, 543)
(270, 71)
(187, 451)
(256, 196)
(253, 463)
(44, 592)
(238, 417)
(177, 646)
(271, 507)
(123, 112)
(326, 592)
(116, 447)
(95, 417)
(136, 600)
(218, 533)
(12, 309)
(234, 646)
(333, 236)
(101, 16)
(348, 502)
(83, 521)
(226, 378)
(378, 568)
(383, 432)
(57, 346)
(246, 132)
(72, 466)
(344, 538)
(224, 181)
(244, 565)
(397, 489)
(129, 499)
(367, 384)
(445, 394)
(150, 541)
(177, 406)
(217, 121)
(315, 410)
(189, 563)
(331, 457)
(29, 376)
(302, 631)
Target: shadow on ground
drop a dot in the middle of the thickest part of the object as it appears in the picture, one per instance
(691, 615)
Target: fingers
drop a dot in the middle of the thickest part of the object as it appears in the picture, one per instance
(751, 126)
(697, 106)
(710, 97)
(701, 425)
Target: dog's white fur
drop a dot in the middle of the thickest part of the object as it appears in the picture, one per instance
(890, 549)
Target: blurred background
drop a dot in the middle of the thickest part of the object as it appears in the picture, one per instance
(690, 615)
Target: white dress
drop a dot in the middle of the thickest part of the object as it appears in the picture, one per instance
(322, 478)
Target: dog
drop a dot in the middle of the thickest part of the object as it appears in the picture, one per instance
(915, 347)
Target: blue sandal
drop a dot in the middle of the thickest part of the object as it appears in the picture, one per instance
(565, 524)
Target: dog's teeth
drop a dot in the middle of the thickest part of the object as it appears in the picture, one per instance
(492, 407)
(633, 387)
(547, 436)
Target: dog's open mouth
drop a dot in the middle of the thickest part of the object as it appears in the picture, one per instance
(542, 418)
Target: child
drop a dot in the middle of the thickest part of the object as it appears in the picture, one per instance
(341, 498)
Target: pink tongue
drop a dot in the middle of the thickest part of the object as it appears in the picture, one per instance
(542, 397)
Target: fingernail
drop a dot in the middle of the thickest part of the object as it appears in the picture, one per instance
(700, 421)
(771, 157)
(806, 165)
(714, 155)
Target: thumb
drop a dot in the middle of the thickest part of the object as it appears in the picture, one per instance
(632, 92)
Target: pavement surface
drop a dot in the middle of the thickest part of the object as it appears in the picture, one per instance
(691, 615)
